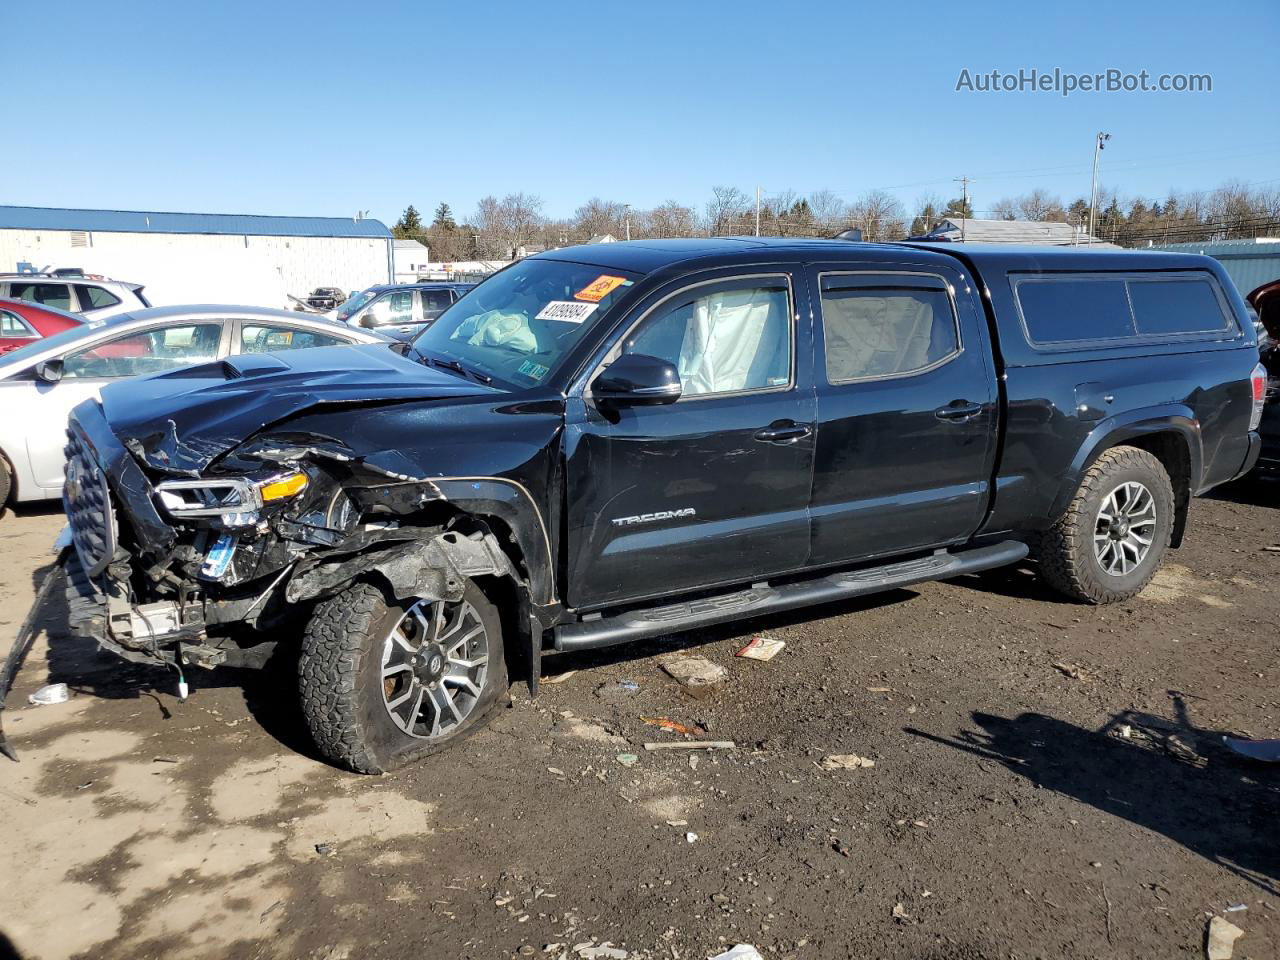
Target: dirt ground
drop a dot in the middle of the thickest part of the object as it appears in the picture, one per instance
(1048, 781)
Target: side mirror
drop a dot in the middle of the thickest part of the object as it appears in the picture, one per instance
(50, 371)
(635, 379)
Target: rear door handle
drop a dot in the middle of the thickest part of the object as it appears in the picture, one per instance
(783, 431)
(959, 410)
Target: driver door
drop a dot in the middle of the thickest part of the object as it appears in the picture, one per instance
(87, 369)
(713, 488)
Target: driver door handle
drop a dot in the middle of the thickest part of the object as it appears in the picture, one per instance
(783, 431)
(958, 410)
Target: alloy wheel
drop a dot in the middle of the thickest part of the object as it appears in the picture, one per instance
(434, 664)
(1124, 529)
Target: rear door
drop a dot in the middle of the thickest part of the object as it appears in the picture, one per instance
(713, 488)
(907, 409)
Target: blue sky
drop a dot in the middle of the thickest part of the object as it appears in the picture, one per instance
(326, 108)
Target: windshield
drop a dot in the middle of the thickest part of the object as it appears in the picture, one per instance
(518, 325)
(45, 344)
(348, 307)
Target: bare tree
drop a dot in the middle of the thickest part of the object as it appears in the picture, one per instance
(1005, 209)
(669, 220)
(828, 211)
(879, 215)
(724, 207)
(1039, 206)
(598, 216)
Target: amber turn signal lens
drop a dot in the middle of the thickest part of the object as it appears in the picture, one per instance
(291, 484)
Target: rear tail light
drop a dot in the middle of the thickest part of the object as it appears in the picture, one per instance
(1258, 381)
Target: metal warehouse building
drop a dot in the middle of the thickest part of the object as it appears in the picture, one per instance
(200, 257)
(1250, 263)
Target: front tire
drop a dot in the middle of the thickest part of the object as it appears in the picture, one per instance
(1112, 538)
(386, 682)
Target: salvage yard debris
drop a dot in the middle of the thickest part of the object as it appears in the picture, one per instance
(845, 761)
(693, 745)
(1268, 751)
(1222, 938)
(666, 723)
(692, 671)
(743, 951)
(49, 694)
(1074, 672)
(761, 648)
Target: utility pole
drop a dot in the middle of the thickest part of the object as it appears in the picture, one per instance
(964, 202)
(628, 219)
(757, 211)
(1098, 146)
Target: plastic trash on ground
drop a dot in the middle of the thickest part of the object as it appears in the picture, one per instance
(743, 951)
(761, 648)
(49, 694)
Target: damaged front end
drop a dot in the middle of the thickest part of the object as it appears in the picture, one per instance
(213, 568)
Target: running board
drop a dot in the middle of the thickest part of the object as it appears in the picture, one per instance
(763, 598)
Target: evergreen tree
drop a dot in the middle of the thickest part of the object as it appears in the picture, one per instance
(444, 218)
(409, 224)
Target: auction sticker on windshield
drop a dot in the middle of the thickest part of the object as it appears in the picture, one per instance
(566, 311)
(599, 288)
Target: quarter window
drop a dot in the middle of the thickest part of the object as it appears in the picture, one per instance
(723, 338)
(56, 295)
(12, 325)
(885, 326)
(95, 298)
(1175, 306)
(148, 352)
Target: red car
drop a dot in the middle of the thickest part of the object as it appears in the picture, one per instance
(22, 323)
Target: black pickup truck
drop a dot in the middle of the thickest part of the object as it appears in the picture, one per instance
(618, 441)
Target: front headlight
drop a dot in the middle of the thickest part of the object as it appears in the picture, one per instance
(234, 498)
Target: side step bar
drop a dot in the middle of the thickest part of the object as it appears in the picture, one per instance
(763, 598)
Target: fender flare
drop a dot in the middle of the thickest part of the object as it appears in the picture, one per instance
(1175, 418)
(511, 503)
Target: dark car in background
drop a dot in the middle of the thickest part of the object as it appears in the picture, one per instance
(1266, 303)
(23, 323)
(401, 310)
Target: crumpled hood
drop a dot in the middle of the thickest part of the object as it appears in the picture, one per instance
(181, 421)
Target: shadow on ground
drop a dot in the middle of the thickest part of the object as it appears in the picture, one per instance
(1255, 490)
(1168, 776)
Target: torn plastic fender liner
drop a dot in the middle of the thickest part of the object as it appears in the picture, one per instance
(434, 569)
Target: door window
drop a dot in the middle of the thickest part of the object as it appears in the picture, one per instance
(95, 298)
(257, 338)
(12, 325)
(726, 337)
(885, 326)
(56, 295)
(434, 302)
(147, 352)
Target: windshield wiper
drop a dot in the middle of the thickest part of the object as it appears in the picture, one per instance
(456, 367)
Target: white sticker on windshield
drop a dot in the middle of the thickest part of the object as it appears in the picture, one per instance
(567, 311)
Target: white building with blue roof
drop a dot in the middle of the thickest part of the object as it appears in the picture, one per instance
(200, 257)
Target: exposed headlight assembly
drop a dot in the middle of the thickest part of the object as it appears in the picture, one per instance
(232, 496)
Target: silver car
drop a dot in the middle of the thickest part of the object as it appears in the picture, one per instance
(42, 382)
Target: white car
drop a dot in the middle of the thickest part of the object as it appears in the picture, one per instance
(93, 297)
(42, 382)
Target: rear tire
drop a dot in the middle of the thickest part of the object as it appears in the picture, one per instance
(382, 682)
(1112, 538)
